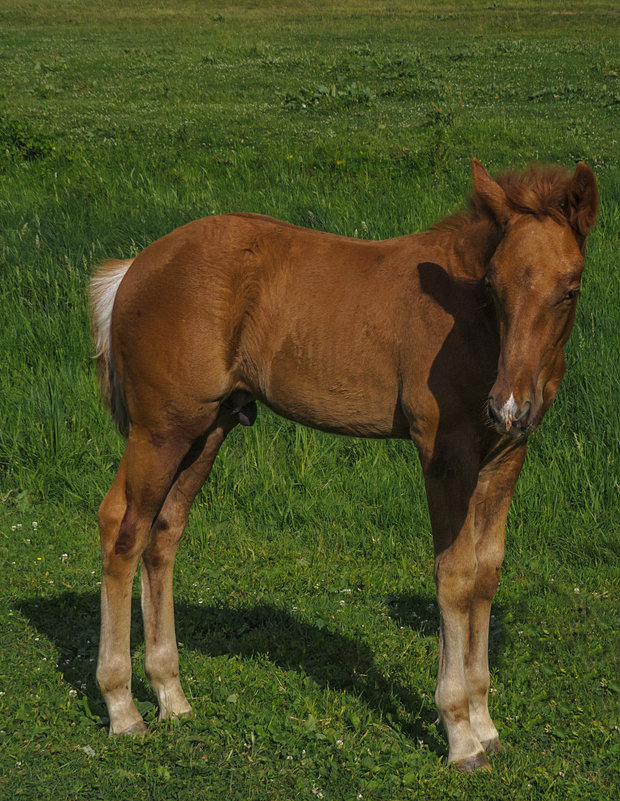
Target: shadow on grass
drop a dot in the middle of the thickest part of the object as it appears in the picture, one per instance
(422, 615)
(331, 659)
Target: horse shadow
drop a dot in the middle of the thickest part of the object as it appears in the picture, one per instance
(422, 615)
(333, 660)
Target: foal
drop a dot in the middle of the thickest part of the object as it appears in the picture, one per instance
(453, 338)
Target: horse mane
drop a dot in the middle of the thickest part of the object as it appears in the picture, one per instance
(538, 190)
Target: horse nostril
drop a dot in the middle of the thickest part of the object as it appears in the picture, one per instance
(522, 420)
(492, 411)
(524, 413)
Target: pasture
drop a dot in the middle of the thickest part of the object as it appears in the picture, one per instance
(305, 601)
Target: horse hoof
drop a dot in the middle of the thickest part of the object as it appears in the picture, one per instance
(137, 729)
(472, 764)
(492, 746)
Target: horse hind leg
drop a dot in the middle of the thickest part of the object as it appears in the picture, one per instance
(126, 516)
(161, 655)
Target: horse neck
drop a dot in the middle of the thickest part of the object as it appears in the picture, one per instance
(470, 248)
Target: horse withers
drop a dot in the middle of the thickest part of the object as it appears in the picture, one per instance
(453, 338)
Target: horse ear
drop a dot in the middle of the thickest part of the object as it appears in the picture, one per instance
(490, 193)
(582, 200)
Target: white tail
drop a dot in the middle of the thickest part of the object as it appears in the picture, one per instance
(103, 287)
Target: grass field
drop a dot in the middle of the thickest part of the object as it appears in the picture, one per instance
(305, 599)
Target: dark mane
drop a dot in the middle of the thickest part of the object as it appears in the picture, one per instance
(538, 190)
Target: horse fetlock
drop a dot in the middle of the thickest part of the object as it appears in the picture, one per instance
(452, 701)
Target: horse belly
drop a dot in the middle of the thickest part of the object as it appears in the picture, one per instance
(356, 395)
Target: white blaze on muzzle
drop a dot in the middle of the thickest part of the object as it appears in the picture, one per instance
(508, 412)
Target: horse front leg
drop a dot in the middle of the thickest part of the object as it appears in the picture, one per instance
(492, 500)
(451, 476)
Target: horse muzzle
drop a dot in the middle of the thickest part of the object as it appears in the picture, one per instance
(510, 417)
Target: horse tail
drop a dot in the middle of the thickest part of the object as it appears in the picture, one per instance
(102, 290)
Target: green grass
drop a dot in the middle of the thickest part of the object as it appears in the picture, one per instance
(305, 600)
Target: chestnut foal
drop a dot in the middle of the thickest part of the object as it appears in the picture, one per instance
(453, 338)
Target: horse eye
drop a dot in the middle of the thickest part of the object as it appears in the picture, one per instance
(487, 281)
(571, 295)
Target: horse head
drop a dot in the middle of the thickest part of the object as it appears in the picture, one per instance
(544, 216)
